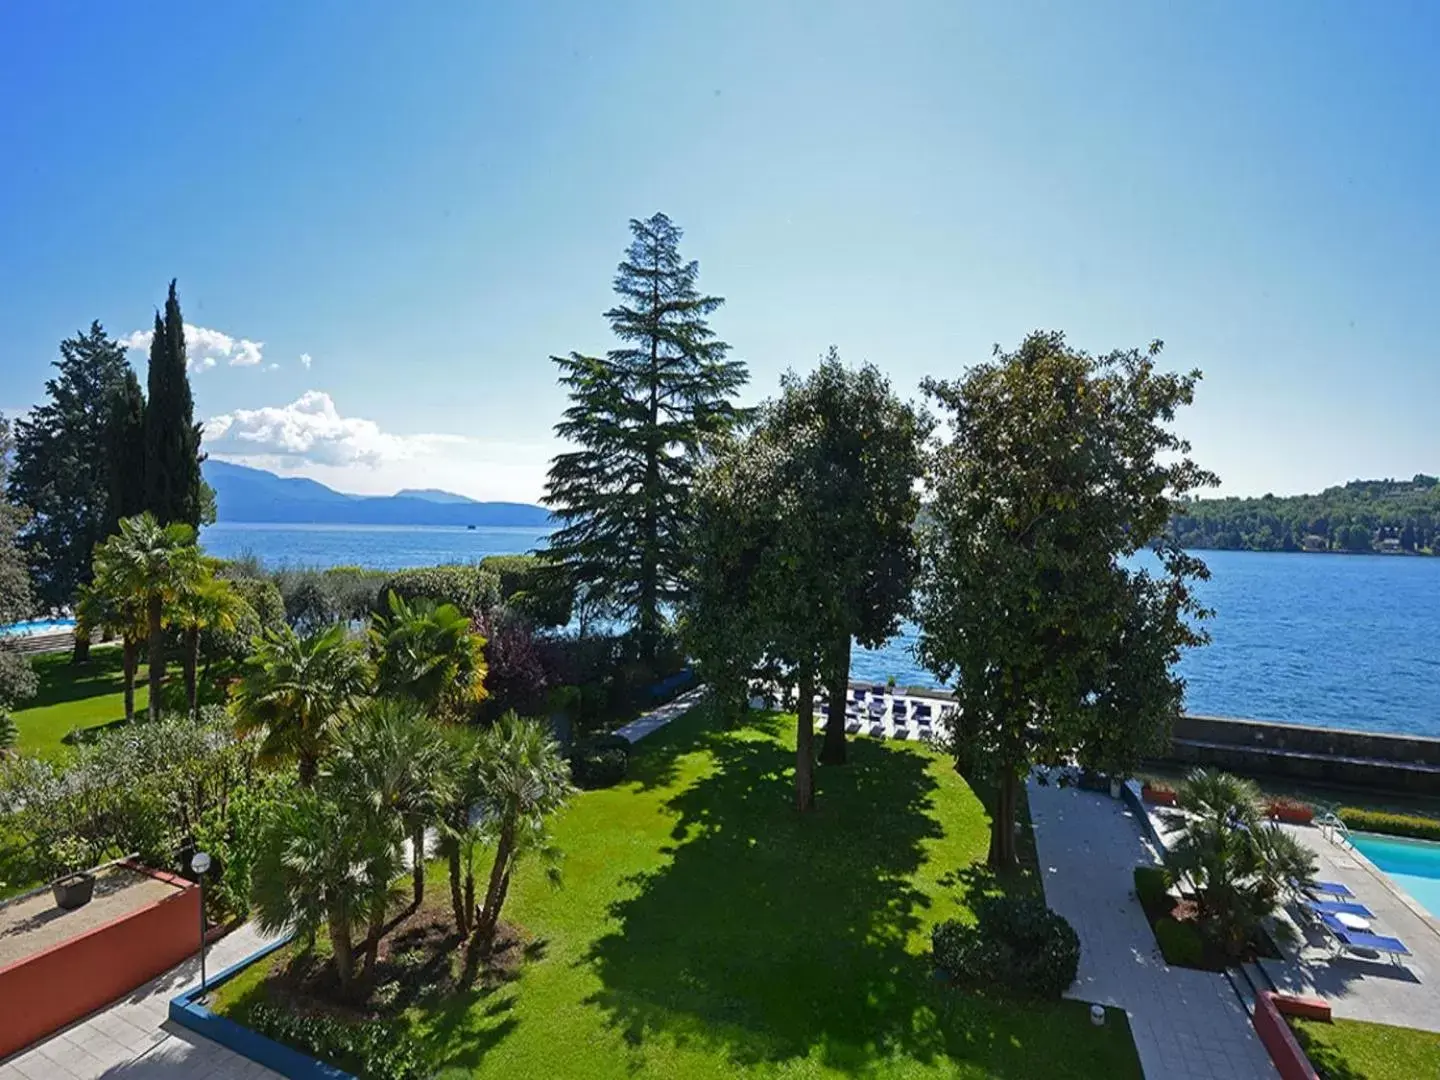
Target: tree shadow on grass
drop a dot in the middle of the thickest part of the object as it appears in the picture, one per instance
(1328, 1062)
(771, 936)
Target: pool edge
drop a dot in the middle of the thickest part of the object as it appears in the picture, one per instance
(1416, 908)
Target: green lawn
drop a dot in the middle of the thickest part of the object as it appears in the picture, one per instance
(705, 930)
(73, 696)
(1355, 1050)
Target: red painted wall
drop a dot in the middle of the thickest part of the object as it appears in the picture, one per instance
(1280, 1042)
(44, 992)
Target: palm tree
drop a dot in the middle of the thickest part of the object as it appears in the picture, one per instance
(325, 859)
(297, 690)
(427, 652)
(1238, 865)
(392, 755)
(100, 606)
(207, 603)
(151, 563)
(522, 780)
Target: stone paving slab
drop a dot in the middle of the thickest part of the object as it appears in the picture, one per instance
(134, 1039)
(1359, 988)
(1187, 1025)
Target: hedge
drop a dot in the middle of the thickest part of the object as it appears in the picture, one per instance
(1379, 821)
(1180, 943)
(1152, 886)
(469, 588)
(374, 1050)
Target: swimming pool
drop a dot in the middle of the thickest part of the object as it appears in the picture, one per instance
(38, 626)
(1414, 865)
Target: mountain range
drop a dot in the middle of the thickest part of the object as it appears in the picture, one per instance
(243, 494)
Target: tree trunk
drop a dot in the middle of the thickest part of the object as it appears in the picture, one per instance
(832, 751)
(129, 661)
(308, 767)
(457, 894)
(417, 858)
(192, 667)
(489, 917)
(157, 653)
(805, 739)
(82, 646)
(343, 952)
(1002, 855)
(373, 934)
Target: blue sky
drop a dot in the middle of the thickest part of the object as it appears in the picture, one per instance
(429, 200)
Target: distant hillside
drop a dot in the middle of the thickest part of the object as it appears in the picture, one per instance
(254, 495)
(1400, 516)
(434, 495)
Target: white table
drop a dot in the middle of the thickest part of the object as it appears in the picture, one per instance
(1353, 922)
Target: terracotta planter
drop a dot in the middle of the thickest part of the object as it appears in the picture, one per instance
(1157, 796)
(74, 891)
(1293, 815)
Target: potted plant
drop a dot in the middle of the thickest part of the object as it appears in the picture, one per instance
(890, 684)
(1158, 795)
(1291, 811)
(76, 884)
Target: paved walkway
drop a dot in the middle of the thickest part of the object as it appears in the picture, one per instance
(1358, 988)
(654, 720)
(1188, 1025)
(133, 1038)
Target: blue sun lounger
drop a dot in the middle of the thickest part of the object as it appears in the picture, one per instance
(1339, 907)
(1392, 947)
(1331, 888)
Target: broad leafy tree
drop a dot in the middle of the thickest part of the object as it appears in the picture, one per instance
(17, 678)
(62, 470)
(1059, 468)
(154, 564)
(174, 488)
(297, 691)
(868, 456)
(638, 418)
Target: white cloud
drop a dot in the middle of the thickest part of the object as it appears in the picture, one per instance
(205, 347)
(305, 360)
(309, 437)
(272, 367)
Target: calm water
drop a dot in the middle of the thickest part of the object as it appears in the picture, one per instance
(1414, 865)
(1339, 641)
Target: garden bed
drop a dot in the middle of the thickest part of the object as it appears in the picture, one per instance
(1175, 923)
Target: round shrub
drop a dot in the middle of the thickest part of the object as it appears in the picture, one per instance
(599, 762)
(1017, 943)
(1180, 943)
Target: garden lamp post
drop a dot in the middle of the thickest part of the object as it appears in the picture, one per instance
(200, 863)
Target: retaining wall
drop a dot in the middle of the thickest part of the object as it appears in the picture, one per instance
(44, 992)
(1290, 1061)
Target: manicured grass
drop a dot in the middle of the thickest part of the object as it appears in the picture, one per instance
(73, 696)
(1355, 1050)
(706, 930)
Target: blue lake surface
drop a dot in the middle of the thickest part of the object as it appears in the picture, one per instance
(1332, 640)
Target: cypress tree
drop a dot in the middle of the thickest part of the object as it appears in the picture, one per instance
(125, 441)
(175, 490)
(640, 417)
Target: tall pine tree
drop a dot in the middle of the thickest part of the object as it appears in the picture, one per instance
(61, 472)
(174, 488)
(639, 417)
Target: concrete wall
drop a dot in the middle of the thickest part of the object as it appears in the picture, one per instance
(1357, 759)
(44, 992)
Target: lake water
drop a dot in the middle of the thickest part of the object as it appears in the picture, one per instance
(1338, 641)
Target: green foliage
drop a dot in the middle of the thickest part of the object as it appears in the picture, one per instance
(1152, 887)
(1379, 821)
(468, 588)
(367, 1048)
(599, 762)
(426, 652)
(640, 416)
(230, 831)
(17, 680)
(9, 732)
(1181, 943)
(296, 691)
(314, 597)
(533, 587)
(1238, 865)
(174, 489)
(1359, 1050)
(61, 474)
(1359, 516)
(1060, 465)
(125, 446)
(1016, 942)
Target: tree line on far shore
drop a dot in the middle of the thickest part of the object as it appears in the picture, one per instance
(1361, 516)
